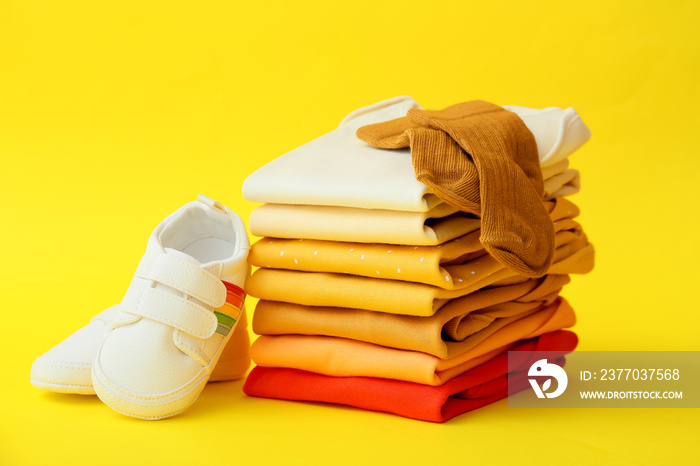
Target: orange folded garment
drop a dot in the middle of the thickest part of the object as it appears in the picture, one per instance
(452, 265)
(477, 387)
(440, 335)
(341, 357)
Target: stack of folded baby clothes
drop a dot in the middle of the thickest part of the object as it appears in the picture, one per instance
(406, 252)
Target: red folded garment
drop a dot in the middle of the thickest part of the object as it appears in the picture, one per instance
(477, 387)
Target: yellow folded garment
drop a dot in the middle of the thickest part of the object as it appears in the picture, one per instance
(341, 357)
(446, 266)
(439, 224)
(560, 181)
(563, 184)
(573, 254)
(445, 334)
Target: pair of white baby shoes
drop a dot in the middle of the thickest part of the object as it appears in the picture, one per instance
(181, 323)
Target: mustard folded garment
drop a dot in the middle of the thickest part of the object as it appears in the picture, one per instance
(449, 332)
(573, 254)
(435, 226)
(447, 266)
(341, 357)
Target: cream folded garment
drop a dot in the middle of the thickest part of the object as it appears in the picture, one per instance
(338, 169)
(451, 265)
(432, 227)
(341, 357)
(436, 226)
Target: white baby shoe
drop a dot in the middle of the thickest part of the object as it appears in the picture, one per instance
(67, 367)
(178, 314)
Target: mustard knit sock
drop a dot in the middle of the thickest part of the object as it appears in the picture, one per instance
(482, 159)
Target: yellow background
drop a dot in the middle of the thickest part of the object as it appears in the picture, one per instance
(113, 114)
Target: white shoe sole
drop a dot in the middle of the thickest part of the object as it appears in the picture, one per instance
(149, 407)
(63, 388)
(52, 376)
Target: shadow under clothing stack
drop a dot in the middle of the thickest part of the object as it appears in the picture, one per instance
(378, 293)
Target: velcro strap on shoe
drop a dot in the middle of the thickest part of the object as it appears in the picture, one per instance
(183, 276)
(169, 309)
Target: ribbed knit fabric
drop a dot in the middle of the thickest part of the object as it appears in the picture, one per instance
(482, 159)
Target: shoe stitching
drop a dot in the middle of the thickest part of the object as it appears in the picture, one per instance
(67, 364)
(165, 319)
(188, 264)
(53, 384)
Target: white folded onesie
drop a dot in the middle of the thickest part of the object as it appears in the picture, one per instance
(338, 169)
